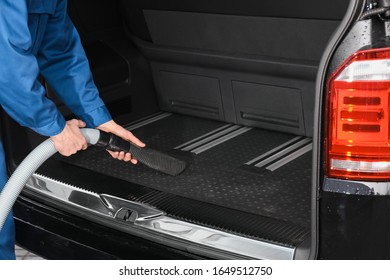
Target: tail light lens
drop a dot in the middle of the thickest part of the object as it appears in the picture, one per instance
(358, 140)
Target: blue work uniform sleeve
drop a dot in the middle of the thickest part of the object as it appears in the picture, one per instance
(65, 67)
(21, 95)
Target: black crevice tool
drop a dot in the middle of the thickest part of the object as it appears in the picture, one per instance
(149, 157)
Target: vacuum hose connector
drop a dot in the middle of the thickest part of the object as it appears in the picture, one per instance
(151, 158)
(26, 169)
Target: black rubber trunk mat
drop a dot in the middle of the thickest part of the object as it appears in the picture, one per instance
(218, 177)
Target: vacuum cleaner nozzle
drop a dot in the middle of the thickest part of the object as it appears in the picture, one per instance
(152, 158)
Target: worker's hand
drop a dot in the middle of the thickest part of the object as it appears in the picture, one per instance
(118, 130)
(70, 140)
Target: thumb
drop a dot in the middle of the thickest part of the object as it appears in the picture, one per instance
(130, 136)
(76, 122)
(81, 123)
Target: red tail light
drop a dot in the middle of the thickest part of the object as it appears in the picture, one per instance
(358, 141)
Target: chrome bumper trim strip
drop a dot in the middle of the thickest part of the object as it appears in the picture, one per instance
(283, 152)
(218, 239)
(274, 150)
(290, 157)
(148, 121)
(220, 140)
(205, 138)
(153, 220)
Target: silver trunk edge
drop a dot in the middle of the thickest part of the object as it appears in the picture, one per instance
(153, 220)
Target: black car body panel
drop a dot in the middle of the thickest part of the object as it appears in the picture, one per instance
(354, 226)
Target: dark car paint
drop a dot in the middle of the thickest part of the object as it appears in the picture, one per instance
(354, 226)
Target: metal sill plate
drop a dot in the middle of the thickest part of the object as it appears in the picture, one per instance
(153, 220)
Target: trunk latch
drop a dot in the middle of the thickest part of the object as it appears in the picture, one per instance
(129, 211)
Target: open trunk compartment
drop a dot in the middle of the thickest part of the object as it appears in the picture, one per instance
(248, 182)
(228, 165)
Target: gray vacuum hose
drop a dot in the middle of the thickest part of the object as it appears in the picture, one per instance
(26, 169)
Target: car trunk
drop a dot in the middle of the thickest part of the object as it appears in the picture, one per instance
(230, 92)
